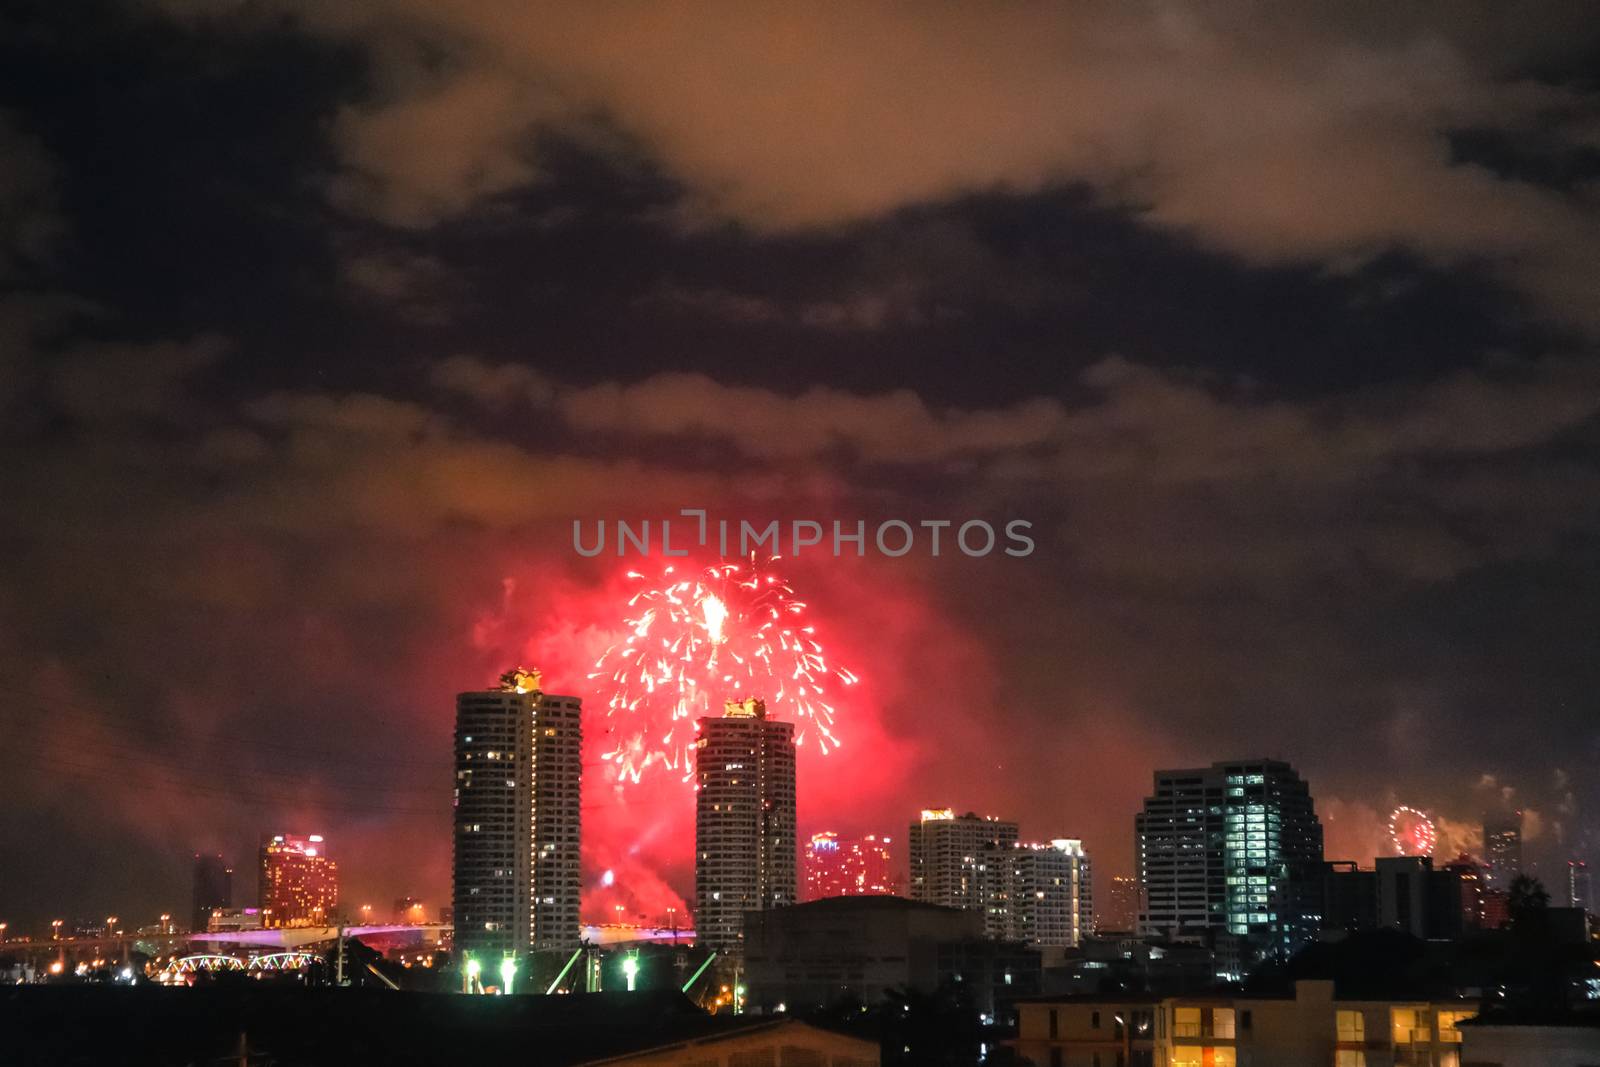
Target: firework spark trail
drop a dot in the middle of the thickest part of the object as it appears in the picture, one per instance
(697, 637)
(1412, 832)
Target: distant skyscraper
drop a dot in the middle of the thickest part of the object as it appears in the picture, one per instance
(213, 888)
(1214, 847)
(1474, 908)
(947, 851)
(1038, 893)
(744, 826)
(1578, 885)
(848, 866)
(519, 772)
(1502, 848)
(299, 883)
(1121, 909)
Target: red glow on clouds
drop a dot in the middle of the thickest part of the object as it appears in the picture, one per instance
(696, 636)
(642, 832)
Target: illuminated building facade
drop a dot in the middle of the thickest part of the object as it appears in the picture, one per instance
(744, 828)
(1314, 1026)
(848, 866)
(1502, 848)
(1121, 909)
(947, 851)
(1039, 894)
(1578, 895)
(1470, 878)
(213, 888)
(299, 883)
(1214, 849)
(519, 774)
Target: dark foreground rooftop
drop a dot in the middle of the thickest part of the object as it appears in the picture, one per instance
(299, 1027)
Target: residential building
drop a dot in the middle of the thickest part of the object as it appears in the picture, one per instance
(1502, 848)
(745, 848)
(1578, 894)
(1311, 1026)
(946, 851)
(1123, 903)
(838, 866)
(1039, 893)
(518, 813)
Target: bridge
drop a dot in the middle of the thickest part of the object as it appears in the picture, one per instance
(236, 949)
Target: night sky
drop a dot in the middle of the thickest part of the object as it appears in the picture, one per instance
(320, 323)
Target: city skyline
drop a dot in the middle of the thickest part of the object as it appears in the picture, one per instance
(1559, 885)
(319, 334)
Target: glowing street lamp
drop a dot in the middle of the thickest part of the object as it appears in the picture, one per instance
(619, 908)
(111, 925)
(630, 970)
(474, 968)
(55, 929)
(508, 971)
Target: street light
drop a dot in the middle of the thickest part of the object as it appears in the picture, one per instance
(111, 925)
(55, 929)
(474, 968)
(619, 908)
(630, 970)
(508, 971)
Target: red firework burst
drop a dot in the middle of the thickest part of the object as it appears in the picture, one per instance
(697, 637)
(1412, 832)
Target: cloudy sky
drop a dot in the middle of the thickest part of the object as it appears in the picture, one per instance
(321, 323)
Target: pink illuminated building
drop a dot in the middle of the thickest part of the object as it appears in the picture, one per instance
(848, 866)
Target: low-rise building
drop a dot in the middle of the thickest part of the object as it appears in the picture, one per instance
(1496, 1042)
(856, 949)
(1310, 1027)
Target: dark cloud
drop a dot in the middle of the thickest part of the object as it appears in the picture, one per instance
(329, 324)
(1278, 140)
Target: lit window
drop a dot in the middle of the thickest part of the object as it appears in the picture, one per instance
(1447, 1024)
(1411, 1027)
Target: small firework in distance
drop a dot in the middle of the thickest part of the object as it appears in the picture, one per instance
(698, 636)
(1412, 832)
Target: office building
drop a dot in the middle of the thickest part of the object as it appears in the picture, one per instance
(1502, 848)
(946, 851)
(213, 889)
(848, 866)
(519, 774)
(1578, 885)
(745, 847)
(1214, 847)
(299, 884)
